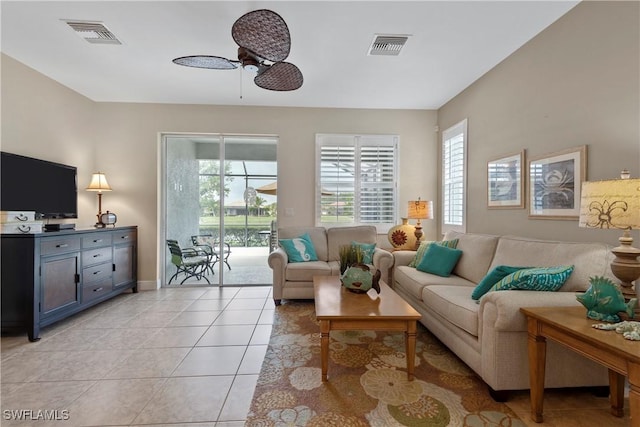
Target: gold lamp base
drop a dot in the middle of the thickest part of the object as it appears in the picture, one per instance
(626, 267)
(418, 234)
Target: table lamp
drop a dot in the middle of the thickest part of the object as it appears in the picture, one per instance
(615, 204)
(99, 183)
(419, 209)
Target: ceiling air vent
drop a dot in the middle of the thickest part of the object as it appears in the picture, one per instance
(387, 45)
(93, 32)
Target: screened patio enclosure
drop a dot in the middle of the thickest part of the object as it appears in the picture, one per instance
(210, 186)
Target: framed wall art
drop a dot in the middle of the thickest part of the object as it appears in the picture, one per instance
(554, 184)
(505, 182)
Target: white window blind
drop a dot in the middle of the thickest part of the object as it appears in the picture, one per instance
(454, 165)
(356, 176)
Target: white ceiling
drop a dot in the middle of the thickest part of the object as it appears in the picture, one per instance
(452, 44)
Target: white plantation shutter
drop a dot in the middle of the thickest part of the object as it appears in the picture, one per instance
(454, 147)
(356, 178)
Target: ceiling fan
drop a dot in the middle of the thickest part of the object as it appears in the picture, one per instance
(264, 43)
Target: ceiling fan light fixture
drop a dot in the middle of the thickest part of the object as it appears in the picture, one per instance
(263, 43)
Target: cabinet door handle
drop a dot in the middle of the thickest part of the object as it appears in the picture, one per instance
(97, 255)
(22, 217)
(62, 245)
(98, 289)
(24, 228)
(124, 237)
(97, 240)
(96, 272)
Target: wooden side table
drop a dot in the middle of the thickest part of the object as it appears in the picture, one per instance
(571, 328)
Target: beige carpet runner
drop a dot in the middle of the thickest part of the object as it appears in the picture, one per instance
(367, 380)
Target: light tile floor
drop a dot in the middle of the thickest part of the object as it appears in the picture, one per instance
(167, 357)
(181, 357)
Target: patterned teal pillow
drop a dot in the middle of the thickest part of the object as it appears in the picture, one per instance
(367, 250)
(493, 277)
(299, 249)
(535, 279)
(423, 247)
(439, 260)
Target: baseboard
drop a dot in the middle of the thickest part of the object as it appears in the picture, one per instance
(148, 285)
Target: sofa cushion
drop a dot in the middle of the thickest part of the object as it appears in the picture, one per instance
(423, 247)
(588, 259)
(439, 260)
(367, 251)
(299, 249)
(318, 238)
(413, 281)
(477, 253)
(341, 236)
(535, 279)
(453, 303)
(304, 271)
(494, 276)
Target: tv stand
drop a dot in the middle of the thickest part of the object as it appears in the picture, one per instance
(47, 277)
(58, 227)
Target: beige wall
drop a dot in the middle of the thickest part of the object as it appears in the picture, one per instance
(576, 83)
(122, 140)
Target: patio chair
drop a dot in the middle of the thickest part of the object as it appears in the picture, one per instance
(209, 245)
(189, 261)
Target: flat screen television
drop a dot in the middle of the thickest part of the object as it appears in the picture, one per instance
(49, 189)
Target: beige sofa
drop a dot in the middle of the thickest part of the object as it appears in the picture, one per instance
(491, 336)
(295, 280)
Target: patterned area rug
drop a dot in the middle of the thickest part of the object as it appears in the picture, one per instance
(367, 380)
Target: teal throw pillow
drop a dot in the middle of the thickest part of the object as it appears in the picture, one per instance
(299, 249)
(423, 247)
(535, 279)
(367, 251)
(439, 260)
(493, 277)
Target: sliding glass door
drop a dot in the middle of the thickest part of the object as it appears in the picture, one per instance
(218, 204)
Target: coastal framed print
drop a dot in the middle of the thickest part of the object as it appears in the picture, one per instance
(554, 184)
(505, 182)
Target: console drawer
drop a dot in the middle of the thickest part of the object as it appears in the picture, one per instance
(96, 290)
(59, 246)
(96, 256)
(124, 236)
(97, 272)
(96, 240)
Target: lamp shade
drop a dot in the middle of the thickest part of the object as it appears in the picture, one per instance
(98, 183)
(420, 209)
(610, 204)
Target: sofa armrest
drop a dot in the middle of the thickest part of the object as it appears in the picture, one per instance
(383, 260)
(278, 261)
(501, 309)
(403, 257)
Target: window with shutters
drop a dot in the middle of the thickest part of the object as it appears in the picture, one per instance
(356, 180)
(454, 172)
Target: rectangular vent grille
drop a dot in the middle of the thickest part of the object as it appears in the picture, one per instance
(93, 32)
(387, 45)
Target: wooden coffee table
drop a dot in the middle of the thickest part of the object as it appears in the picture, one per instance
(571, 328)
(339, 309)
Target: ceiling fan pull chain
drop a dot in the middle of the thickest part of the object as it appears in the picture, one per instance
(240, 82)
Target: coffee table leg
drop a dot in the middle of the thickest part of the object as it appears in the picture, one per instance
(537, 361)
(325, 327)
(410, 340)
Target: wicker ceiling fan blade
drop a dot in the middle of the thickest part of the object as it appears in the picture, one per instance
(206, 61)
(264, 33)
(281, 76)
